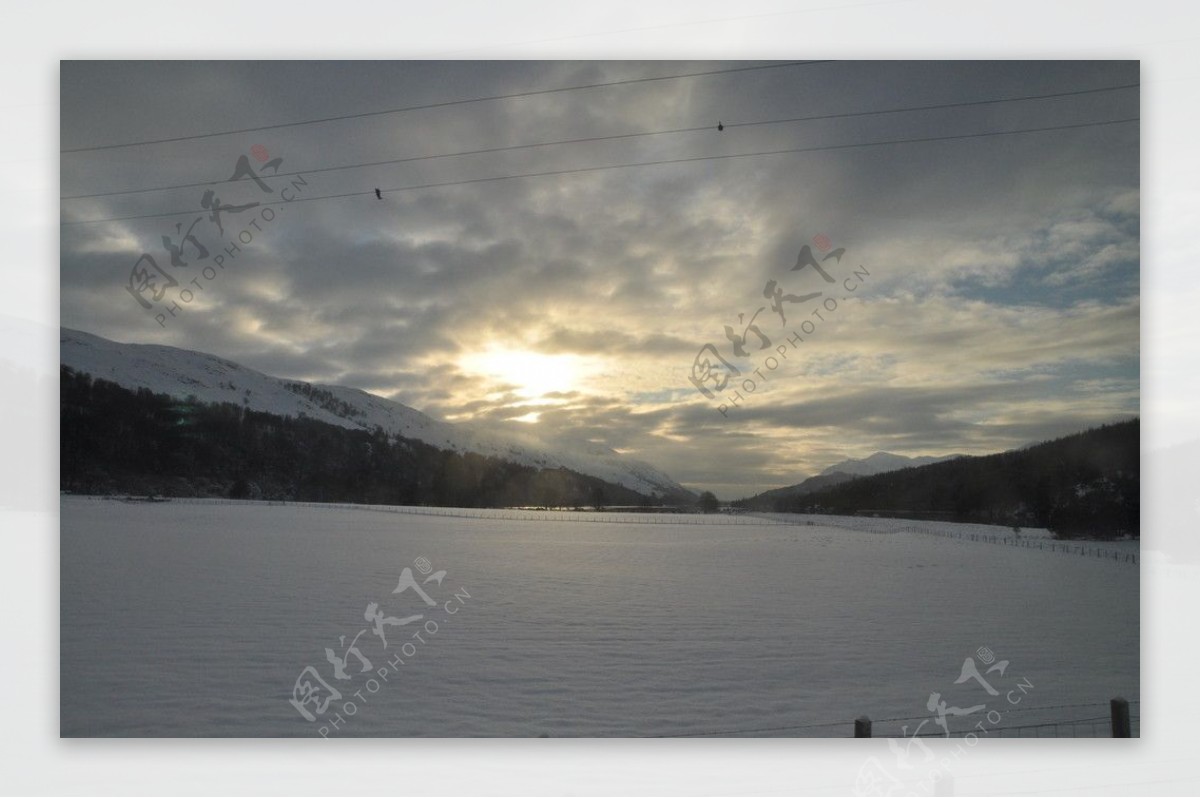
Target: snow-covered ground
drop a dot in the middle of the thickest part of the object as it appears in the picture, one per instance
(183, 619)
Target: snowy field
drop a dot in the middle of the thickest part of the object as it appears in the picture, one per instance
(196, 619)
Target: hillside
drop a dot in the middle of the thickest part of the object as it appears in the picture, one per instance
(1082, 484)
(117, 441)
(878, 463)
(770, 499)
(206, 379)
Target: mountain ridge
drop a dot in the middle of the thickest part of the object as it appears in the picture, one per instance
(208, 378)
(881, 463)
(1086, 484)
(846, 470)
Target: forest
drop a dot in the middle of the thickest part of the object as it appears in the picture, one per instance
(117, 441)
(1082, 485)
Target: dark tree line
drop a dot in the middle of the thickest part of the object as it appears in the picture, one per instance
(708, 502)
(1083, 485)
(115, 440)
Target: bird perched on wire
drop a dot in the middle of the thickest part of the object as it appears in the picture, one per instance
(720, 125)
(378, 194)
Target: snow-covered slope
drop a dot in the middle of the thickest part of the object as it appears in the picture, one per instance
(183, 373)
(880, 463)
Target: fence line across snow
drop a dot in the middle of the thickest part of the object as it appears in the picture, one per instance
(1118, 721)
(1041, 544)
(853, 523)
(494, 514)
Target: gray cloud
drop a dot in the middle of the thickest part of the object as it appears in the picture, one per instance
(1002, 304)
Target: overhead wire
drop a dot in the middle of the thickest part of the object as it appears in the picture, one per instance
(622, 136)
(658, 162)
(441, 104)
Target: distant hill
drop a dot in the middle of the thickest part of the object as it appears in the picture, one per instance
(1087, 484)
(119, 441)
(882, 462)
(770, 499)
(198, 378)
(878, 463)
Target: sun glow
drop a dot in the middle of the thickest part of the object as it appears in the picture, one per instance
(532, 375)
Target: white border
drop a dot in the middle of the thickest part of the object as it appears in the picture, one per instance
(1160, 34)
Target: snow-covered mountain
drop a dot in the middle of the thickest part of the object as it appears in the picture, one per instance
(881, 462)
(183, 373)
(878, 463)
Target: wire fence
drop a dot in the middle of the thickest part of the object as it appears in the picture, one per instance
(685, 517)
(978, 533)
(1099, 722)
(1064, 547)
(1091, 727)
(1100, 726)
(608, 516)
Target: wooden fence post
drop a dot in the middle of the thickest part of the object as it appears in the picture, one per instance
(862, 726)
(1120, 717)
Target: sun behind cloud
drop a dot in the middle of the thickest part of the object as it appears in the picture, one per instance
(533, 375)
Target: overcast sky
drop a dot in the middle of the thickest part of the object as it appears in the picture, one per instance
(1000, 305)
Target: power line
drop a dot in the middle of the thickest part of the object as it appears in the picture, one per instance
(664, 161)
(619, 136)
(940, 105)
(443, 104)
